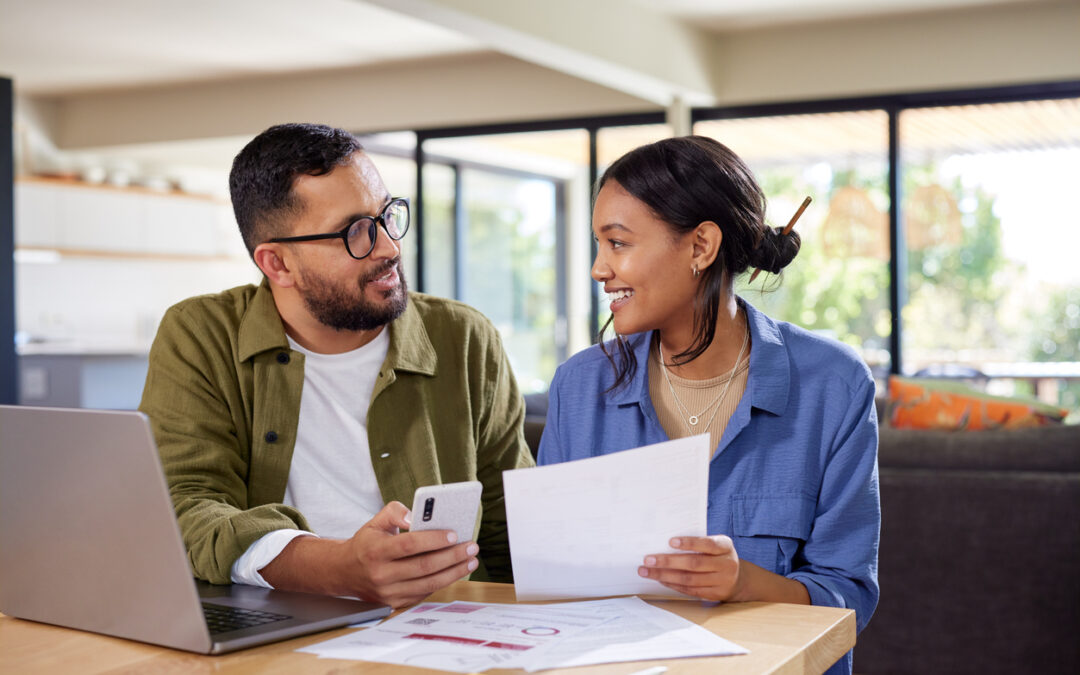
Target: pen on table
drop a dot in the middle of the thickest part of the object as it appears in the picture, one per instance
(655, 670)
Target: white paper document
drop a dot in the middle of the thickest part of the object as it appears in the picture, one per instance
(637, 632)
(463, 636)
(582, 529)
(468, 636)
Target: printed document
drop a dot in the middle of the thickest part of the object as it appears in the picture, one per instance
(582, 529)
(469, 637)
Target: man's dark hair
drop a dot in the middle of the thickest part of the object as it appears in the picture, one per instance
(262, 175)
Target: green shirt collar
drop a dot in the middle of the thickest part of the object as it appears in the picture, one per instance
(261, 330)
(410, 346)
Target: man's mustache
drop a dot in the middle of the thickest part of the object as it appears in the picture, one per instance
(383, 269)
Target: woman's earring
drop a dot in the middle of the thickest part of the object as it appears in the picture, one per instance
(695, 270)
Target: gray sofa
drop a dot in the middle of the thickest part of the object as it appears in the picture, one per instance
(979, 562)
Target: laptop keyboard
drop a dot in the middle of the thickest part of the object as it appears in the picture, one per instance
(222, 619)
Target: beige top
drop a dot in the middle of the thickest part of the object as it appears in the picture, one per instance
(698, 397)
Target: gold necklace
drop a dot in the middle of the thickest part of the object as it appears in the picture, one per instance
(693, 420)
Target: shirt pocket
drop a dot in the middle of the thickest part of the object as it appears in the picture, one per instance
(770, 530)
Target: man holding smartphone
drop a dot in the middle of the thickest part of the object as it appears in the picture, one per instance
(318, 401)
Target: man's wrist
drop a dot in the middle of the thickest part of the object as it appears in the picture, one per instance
(308, 564)
(245, 569)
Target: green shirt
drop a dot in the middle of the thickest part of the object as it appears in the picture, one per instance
(223, 396)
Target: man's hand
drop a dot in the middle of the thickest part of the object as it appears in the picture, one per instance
(404, 568)
(379, 563)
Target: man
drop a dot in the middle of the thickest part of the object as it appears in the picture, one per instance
(319, 400)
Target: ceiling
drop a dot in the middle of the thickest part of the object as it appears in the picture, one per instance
(58, 50)
(61, 46)
(731, 15)
(53, 47)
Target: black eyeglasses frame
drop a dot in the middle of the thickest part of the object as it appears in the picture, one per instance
(343, 234)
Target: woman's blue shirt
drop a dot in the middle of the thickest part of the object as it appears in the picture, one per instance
(794, 479)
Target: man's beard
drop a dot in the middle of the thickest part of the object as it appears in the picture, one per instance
(334, 306)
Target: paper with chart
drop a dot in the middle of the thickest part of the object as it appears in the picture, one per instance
(637, 632)
(582, 529)
(470, 637)
(465, 637)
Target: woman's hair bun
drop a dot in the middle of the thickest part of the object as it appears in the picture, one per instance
(775, 250)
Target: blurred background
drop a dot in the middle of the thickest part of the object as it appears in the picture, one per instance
(939, 139)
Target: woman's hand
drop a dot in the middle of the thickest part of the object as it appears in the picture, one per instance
(710, 568)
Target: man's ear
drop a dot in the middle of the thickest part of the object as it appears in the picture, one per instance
(273, 260)
(707, 238)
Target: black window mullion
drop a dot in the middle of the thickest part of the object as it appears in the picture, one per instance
(418, 217)
(9, 386)
(897, 248)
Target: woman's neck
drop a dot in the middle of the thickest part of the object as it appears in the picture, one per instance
(720, 356)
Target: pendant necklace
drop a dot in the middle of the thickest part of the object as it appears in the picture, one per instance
(693, 420)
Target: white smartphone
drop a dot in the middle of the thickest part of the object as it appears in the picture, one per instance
(453, 506)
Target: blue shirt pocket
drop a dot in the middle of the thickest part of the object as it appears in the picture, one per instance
(770, 530)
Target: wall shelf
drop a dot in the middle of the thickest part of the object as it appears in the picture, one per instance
(61, 253)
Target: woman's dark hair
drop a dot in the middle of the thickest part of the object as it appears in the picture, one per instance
(686, 181)
(262, 175)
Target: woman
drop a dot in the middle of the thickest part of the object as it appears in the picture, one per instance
(793, 512)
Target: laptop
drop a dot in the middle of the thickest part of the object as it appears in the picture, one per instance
(89, 540)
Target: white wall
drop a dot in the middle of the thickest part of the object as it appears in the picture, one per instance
(453, 91)
(996, 46)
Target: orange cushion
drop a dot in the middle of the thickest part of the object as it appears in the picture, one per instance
(942, 404)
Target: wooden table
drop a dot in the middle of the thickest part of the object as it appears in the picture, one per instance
(781, 639)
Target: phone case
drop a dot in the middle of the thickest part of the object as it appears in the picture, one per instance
(453, 506)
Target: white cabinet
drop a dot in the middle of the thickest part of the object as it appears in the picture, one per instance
(101, 220)
(180, 226)
(36, 215)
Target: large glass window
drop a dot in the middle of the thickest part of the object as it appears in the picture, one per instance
(440, 277)
(838, 285)
(614, 142)
(508, 264)
(506, 203)
(991, 236)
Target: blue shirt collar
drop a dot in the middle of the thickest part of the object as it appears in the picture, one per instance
(770, 367)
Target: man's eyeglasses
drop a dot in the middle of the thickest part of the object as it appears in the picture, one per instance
(359, 236)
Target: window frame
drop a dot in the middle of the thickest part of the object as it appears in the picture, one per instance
(892, 104)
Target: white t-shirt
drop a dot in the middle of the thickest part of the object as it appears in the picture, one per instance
(331, 478)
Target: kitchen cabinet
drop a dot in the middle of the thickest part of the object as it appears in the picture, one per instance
(36, 215)
(99, 220)
(78, 218)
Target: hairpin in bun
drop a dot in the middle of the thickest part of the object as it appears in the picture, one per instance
(787, 229)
